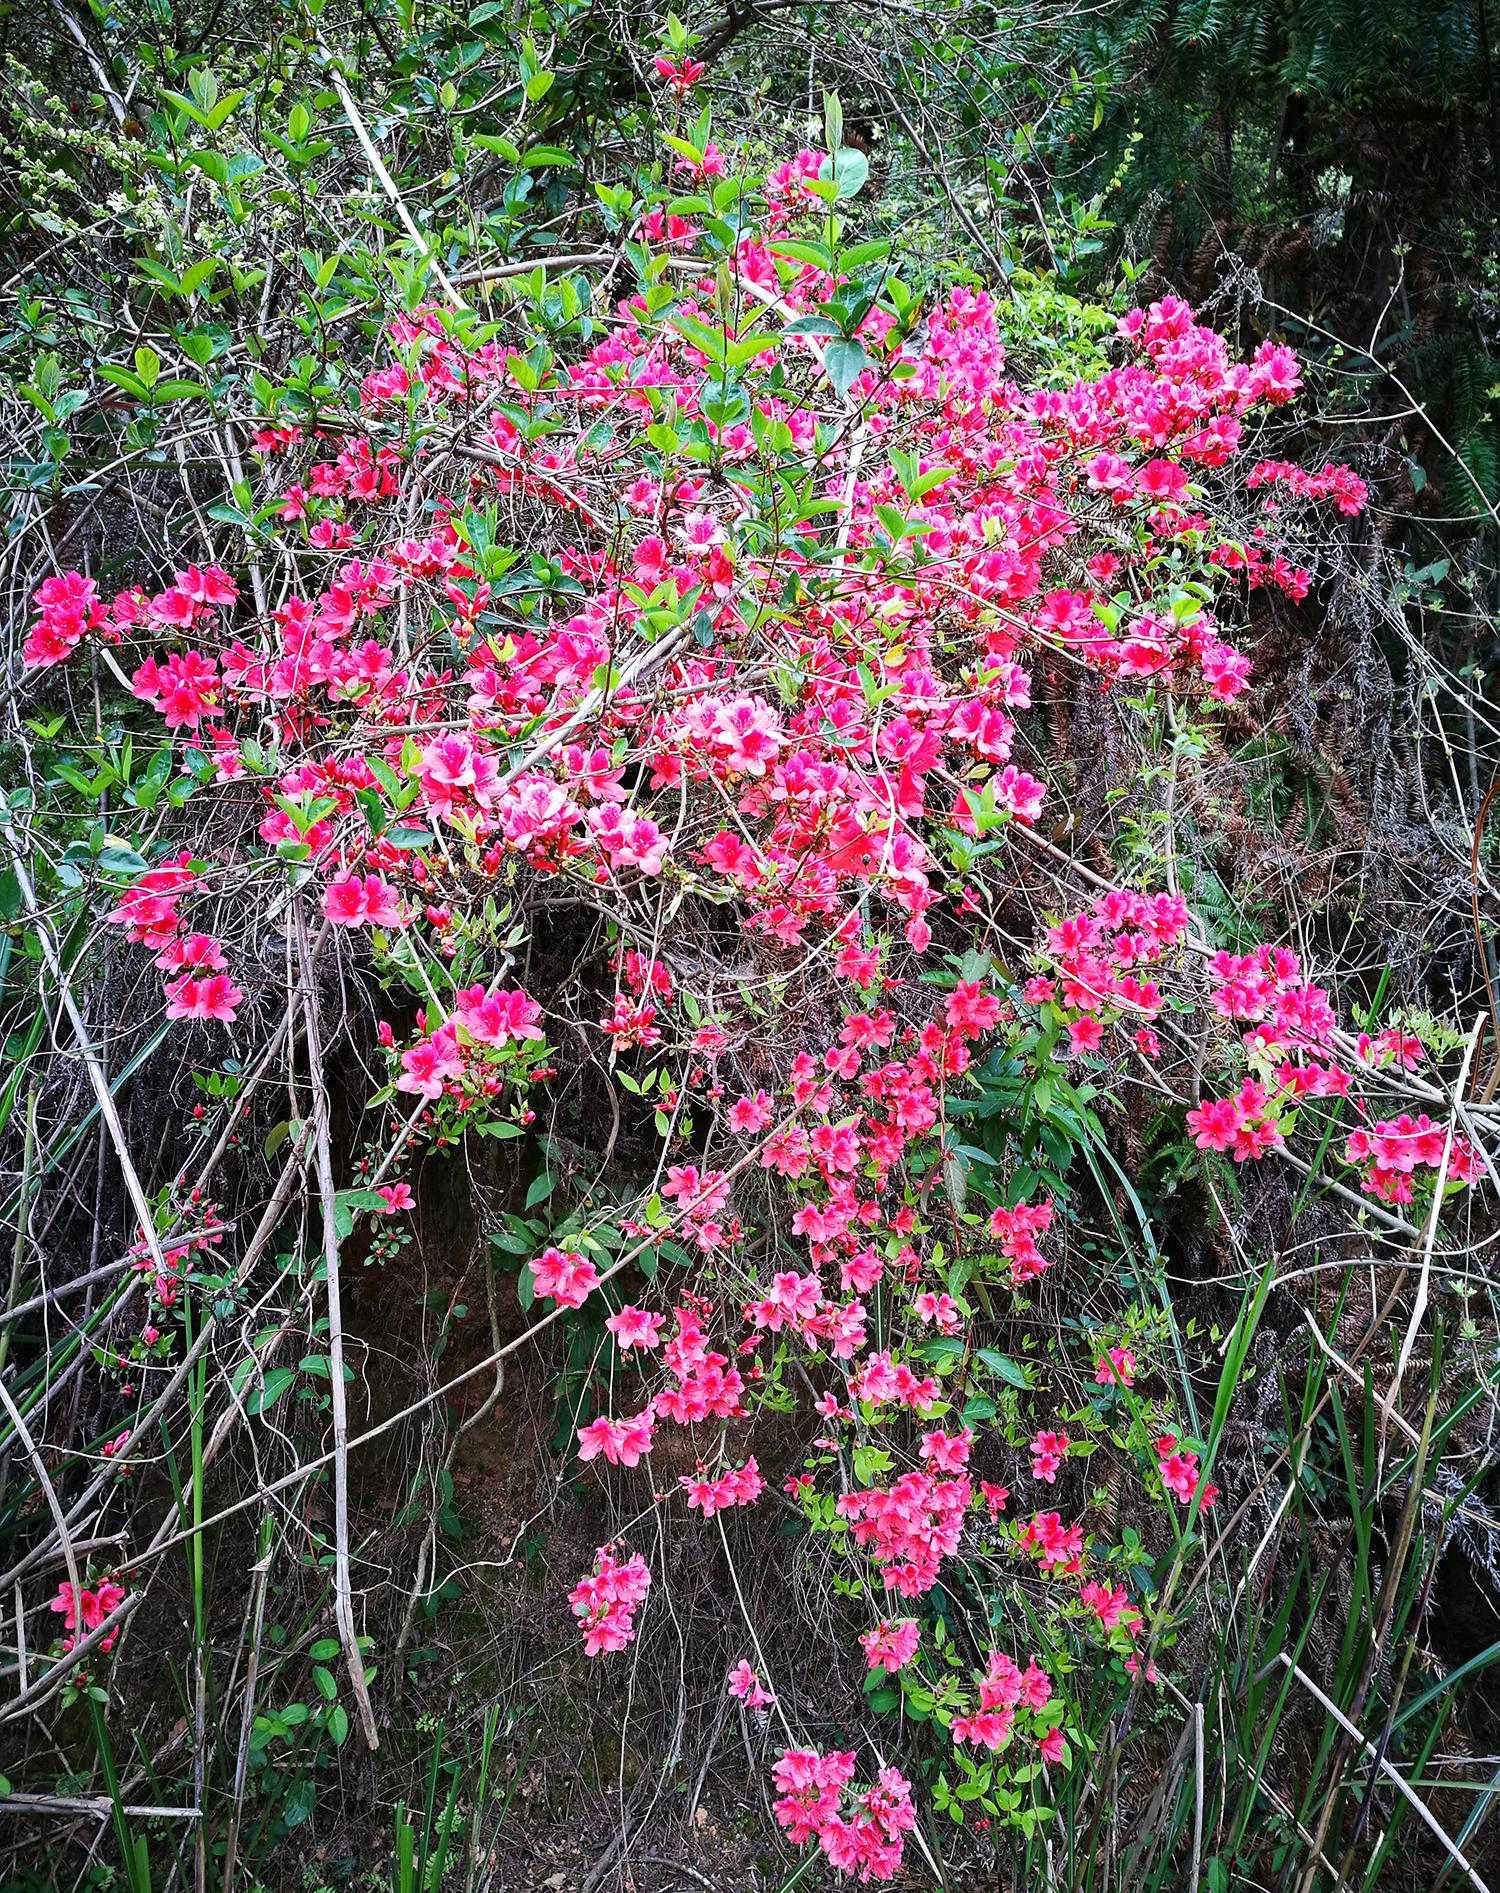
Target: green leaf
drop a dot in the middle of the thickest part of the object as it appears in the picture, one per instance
(116, 859)
(850, 171)
(803, 250)
(492, 141)
(833, 121)
(347, 1202)
(386, 776)
(710, 341)
(1004, 1366)
(842, 362)
(925, 482)
(749, 346)
(275, 1384)
(861, 253)
(298, 1805)
(125, 378)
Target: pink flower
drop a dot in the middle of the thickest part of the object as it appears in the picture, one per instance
(745, 1684)
(810, 1791)
(1275, 373)
(892, 1644)
(618, 1442)
(1048, 1450)
(197, 952)
(1214, 1123)
(216, 997)
(750, 1114)
(184, 689)
(1059, 1546)
(427, 1066)
(633, 1327)
(970, 1010)
(741, 1485)
(562, 1276)
(1109, 1603)
(357, 901)
(69, 610)
(606, 1600)
(1178, 1469)
(947, 1452)
(497, 1018)
(988, 1728)
(1116, 1367)
(680, 74)
(1052, 1745)
(994, 1497)
(937, 1309)
(86, 1609)
(747, 733)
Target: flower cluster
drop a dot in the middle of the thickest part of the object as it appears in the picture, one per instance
(1179, 1473)
(860, 1829)
(197, 985)
(908, 1527)
(1391, 1151)
(744, 1685)
(885, 738)
(1243, 1124)
(1338, 483)
(468, 1054)
(563, 1276)
(83, 1609)
(606, 1600)
(739, 1485)
(1001, 1690)
(1292, 1041)
(1097, 961)
(892, 1644)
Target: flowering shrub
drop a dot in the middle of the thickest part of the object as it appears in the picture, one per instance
(736, 607)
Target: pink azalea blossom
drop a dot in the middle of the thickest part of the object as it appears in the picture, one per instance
(563, 1276)
(745, 1685)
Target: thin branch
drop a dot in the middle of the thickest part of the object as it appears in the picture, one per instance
(343, 1599)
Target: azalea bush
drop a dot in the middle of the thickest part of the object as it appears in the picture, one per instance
(649, 696)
